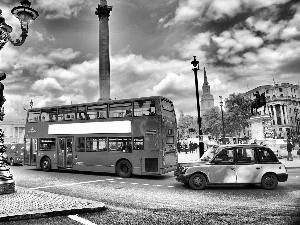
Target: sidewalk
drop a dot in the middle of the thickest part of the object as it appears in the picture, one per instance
(28, 204)
(182, 157)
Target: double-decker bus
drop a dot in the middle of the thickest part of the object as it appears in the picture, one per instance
(128, 136)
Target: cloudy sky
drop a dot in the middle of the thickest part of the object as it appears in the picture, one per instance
(242, 44)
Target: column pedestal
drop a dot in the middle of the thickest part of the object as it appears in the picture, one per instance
(7, 184)
(260, 126)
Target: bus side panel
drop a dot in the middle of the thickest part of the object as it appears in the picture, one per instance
(150, 157)
(93, 161)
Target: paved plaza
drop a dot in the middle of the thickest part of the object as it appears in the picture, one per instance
(28, 204)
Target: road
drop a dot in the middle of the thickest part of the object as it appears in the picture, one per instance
(162, 200)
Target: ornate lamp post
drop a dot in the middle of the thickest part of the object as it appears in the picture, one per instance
(195, 64)
(25, 14)
(223, 132)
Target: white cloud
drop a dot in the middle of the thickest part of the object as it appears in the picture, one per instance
(204, 10)
(63, 9)
(232, 42)
(257, 4)
(63, 54)
(46, 86)
(192, 46)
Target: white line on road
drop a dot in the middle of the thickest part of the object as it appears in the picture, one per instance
(61, 185)
(123, 182)
(145, 184)
(171, 186)
(134, 183)
(81, 220)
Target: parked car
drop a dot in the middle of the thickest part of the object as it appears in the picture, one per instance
(233, 164)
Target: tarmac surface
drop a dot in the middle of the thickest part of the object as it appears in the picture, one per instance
(28, 204)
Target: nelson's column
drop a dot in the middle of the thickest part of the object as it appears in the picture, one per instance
(104, 65)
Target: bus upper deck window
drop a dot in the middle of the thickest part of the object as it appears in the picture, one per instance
(33, 116)
(120, 109)
(144, 108)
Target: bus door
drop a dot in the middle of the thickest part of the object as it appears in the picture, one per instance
(65, 152)
(30, 151)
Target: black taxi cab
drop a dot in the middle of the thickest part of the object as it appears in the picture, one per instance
(233, 164)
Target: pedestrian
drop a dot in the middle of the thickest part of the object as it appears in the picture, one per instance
(178, 147)
(190, 147)
(289, 148)
(185, 148)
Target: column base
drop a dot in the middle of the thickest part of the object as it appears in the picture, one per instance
(7, 187)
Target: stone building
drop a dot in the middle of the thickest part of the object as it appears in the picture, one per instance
(14, 130)
(207, 99)
(282, 104)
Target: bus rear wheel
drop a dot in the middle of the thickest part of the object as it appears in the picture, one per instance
(124, 169)
(46, 164)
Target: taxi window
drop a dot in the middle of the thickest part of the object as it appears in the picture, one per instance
(265, 155)
(224, 156)
(245, 155)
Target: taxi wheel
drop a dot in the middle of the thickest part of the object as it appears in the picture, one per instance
(197, 182)
(124, 169)
(269, 181)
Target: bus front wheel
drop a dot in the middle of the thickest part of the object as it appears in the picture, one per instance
(124, 169)
(46, 164)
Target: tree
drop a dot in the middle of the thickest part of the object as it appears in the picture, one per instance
(212, 122)
(186, 124)
(238, 111)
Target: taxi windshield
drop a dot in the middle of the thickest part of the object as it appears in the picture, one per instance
(210, 153)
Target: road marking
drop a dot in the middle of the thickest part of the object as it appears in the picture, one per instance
(95, 181)
(81, 220)
(61, 185)
(120, 178)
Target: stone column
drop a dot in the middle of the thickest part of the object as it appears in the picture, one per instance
(104, 64)
(275, 115)
(281, 114)
(286, 114)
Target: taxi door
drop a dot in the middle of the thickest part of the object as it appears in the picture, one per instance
(247, 170)
(222, 169)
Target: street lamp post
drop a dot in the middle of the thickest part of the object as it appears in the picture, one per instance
(31, 103)
(223, 132)
(25, 14)
(195, 64)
